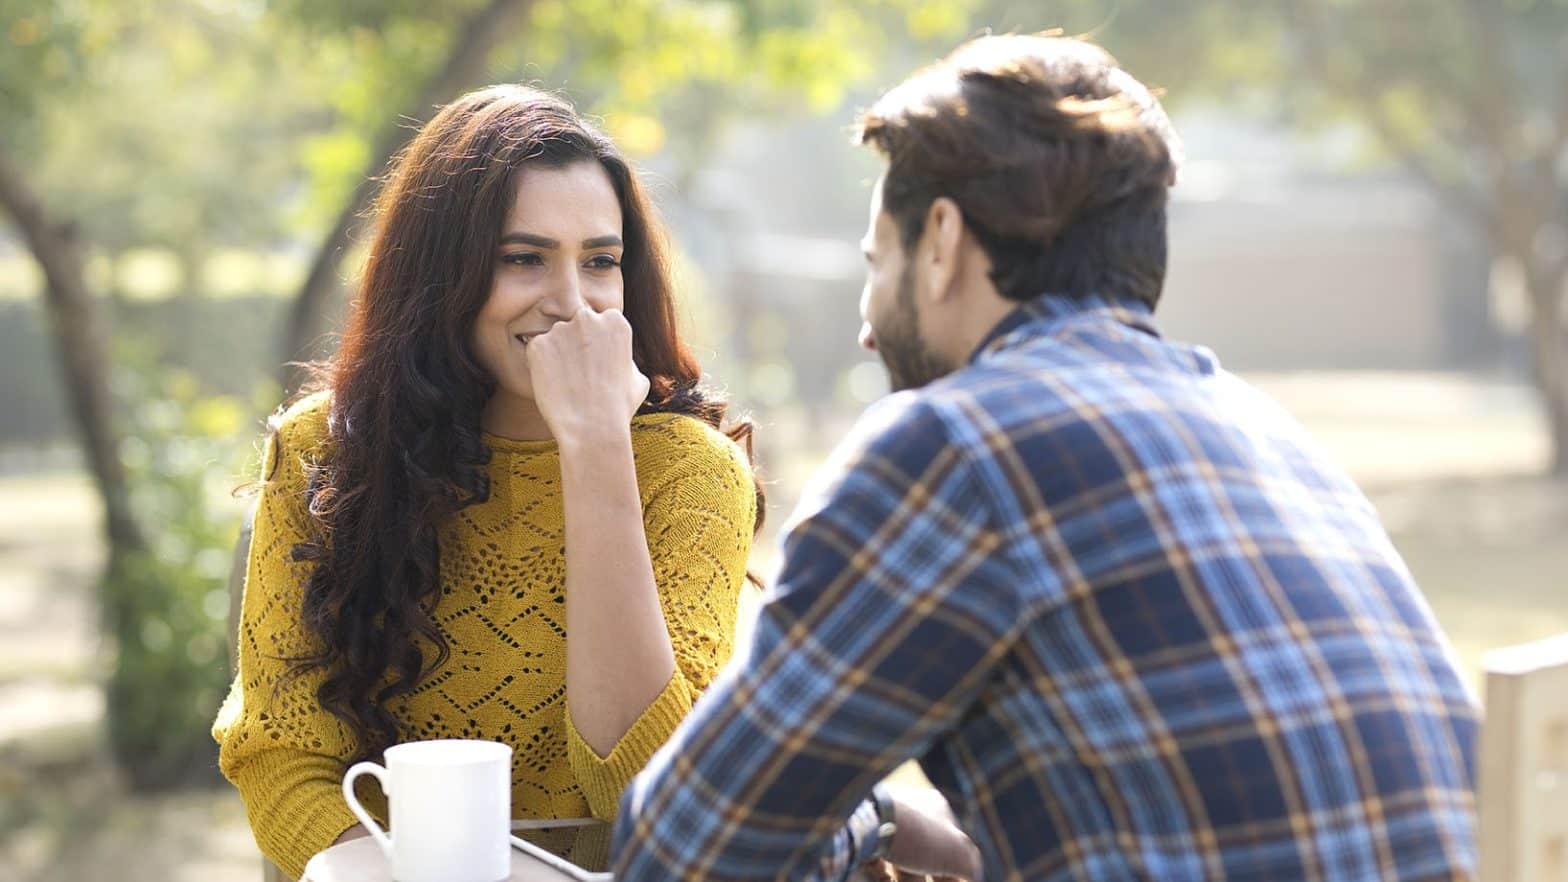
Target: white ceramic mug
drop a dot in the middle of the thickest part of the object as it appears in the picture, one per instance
(450, 808)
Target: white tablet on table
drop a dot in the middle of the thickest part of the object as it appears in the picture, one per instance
(553, 850)
(576, 847)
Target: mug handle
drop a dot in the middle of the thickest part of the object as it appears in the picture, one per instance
(380, 774)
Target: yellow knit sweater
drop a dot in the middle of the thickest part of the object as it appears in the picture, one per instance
(502, 611)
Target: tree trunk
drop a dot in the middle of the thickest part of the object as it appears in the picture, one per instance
(75, 322)
(464, 68)
(1549, 353)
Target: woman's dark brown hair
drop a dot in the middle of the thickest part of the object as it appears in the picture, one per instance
(404, 448)
(1059, 160)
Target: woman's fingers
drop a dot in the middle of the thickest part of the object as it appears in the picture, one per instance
(584, 378)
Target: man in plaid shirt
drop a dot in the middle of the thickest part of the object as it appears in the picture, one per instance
(1129, 619)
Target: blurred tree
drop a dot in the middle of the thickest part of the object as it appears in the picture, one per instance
(48, 53)
(1470, 97)
(185, 169)
(166, 605)
(186, 124)
(1207, 49)
(204, 105)
(416, 56)
(664, 74)
(76, 323)
(53, 48)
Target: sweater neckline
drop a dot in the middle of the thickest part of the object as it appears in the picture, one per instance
(501, 444)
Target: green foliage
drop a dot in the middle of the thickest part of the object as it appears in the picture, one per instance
(202, 104)
(1466, 88)
(662, 74)
(247, 123)
(167, 607)
(1225, 50)
(41, 52)
(190, 126)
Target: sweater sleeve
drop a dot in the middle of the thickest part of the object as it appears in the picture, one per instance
(699, 515)
(280, 748)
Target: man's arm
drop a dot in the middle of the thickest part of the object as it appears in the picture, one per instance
(892, 609)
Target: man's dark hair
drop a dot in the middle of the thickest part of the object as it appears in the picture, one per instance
(1060, 161)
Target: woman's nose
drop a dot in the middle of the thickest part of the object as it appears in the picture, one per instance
(565, 298)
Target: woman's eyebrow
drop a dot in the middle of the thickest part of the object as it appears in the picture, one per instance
(529, 239)
(517, 236)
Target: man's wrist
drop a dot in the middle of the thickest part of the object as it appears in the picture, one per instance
(887, 819)
(860, 840)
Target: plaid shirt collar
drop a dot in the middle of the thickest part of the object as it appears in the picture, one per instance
(1030, 317)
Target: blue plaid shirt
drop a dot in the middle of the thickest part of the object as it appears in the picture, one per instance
(1131, 622)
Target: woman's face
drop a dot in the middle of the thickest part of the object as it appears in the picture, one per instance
(560, 250)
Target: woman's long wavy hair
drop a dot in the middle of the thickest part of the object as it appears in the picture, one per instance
(404, 448)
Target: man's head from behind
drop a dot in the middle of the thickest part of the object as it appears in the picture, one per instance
(1018, 165)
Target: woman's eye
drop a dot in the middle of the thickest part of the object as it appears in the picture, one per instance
(604, 262)
(523, 258)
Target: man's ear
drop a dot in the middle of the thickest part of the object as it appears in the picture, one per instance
(944, 238)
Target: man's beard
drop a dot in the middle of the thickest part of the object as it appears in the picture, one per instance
(910, 362)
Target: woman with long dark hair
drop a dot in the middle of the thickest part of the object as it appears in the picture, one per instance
(510, 447)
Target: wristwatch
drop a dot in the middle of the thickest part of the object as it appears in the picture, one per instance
(887, 825)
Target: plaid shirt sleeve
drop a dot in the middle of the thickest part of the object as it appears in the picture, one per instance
(892, 608)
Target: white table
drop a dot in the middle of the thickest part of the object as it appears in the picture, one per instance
(361, 860)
